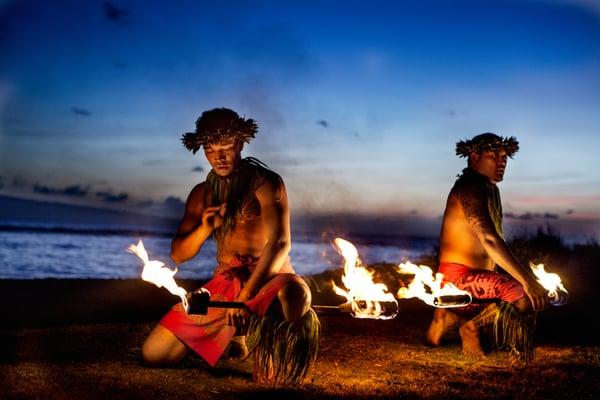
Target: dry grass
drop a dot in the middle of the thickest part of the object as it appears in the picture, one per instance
(358, 359)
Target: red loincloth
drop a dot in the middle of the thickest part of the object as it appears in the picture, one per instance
(209, 335)
(481, 284)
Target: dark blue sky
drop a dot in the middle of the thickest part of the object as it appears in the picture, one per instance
(359, 103)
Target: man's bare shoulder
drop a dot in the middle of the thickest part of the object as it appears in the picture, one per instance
(270, 186)
(267, 181)
(265, 174)
(472, 197)
(196, 196)
(467, 190)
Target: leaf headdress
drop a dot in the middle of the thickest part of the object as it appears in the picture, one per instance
(487, 141)
(217, 125)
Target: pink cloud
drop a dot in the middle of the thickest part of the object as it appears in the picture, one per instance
(562, 200)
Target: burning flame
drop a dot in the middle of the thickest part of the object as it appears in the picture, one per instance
(155, 272)
(360, 286)
(427, 288)
(552, 283)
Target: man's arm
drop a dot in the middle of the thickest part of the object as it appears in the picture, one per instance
(474, 203)
(196, 226)
(276, 222)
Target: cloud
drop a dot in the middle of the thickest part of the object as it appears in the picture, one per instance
(81, 111)
(174, 203)
(453, 113)
(172, 206)
(525, 217)
(19, 182)
(114, 13)
(72, 191)
(199, 168)
(323, 123)
(110, 197)
(119, 64)
(529, 216)
(548, 215)
(145, 203)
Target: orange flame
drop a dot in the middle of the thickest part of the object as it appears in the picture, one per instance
(155, 272)
(552, 283)
(425, 287)
(360, 286)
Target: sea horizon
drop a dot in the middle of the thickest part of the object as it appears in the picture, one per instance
(63, 251)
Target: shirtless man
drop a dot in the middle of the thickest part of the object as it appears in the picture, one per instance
(472, 245)
(243, 206)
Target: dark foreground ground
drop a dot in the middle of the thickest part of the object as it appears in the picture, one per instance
(80, 340)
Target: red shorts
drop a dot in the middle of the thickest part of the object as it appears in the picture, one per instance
(481, 284)
(208, 335)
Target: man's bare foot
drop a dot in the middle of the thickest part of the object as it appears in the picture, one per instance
(470, 340)
(443, 321)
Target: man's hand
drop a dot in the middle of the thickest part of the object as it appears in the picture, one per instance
(212, 217)
(537, 294)
(237, 317)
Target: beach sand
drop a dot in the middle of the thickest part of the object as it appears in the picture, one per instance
(80, 339)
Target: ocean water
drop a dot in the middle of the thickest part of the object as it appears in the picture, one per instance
(34, 254)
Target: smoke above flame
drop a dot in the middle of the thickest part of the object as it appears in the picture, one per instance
(361, 292)
(155, 272)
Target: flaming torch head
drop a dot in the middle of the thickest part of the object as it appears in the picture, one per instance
(452, 300)
(366, 298)
(360, 308)
(431, 289)
(552, 283)
(155, 272)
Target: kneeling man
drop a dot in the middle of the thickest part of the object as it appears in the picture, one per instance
(472, 245)
(243, 206)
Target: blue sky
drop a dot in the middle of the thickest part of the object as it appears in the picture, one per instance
(359, 104)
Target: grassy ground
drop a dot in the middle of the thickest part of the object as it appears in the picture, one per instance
(80, 340)
(358, 359)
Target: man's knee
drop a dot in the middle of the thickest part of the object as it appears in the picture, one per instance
(162, 348)
(295, 300)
